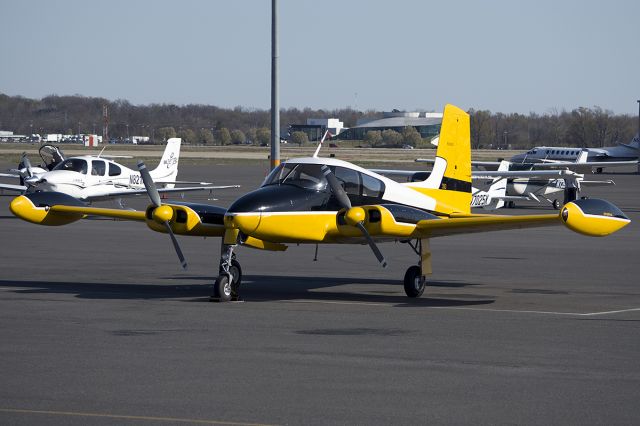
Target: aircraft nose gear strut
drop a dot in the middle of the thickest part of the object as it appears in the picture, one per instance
(227, 285)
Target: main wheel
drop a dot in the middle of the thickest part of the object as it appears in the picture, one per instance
(414, 282)
(222, 289)
(556, 204)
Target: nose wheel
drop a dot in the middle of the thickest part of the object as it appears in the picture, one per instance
(227, 285)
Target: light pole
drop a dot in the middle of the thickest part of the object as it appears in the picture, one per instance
(275, 103)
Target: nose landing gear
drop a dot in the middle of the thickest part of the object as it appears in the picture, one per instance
(227, 285)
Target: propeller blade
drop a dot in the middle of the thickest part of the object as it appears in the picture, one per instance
(27, 164)
(149, 185)
(176, 246)
(372, 244)
(344, 201)
(335, 186)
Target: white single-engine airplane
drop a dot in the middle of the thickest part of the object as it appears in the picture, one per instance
(494, 189)
(325, 200)
(96, 178)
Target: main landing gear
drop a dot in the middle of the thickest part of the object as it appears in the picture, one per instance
(227, 285)
(414, 279)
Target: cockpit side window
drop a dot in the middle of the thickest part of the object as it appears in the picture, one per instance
(98, 168)
(74, 165)
(349, 179)
(114, 170)
(371, 187)
(361, 188)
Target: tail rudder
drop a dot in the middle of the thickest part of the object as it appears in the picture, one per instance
(498, 189)
(451, 173)
(167, 169)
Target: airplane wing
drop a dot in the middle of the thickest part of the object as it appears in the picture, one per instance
(587, 165)
(180, 182)
(386, 221)
(11, 175)
(9, 187)
(482, 223)
(477, 174)
(487, 165)
(597, 182)
(128, 192)
(544, 174)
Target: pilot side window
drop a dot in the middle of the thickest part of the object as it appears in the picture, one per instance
(114, 170)
(349, 179)
(371, 187)
(98, 168)
(361, 188)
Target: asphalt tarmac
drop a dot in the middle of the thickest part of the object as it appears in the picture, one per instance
(99, 325)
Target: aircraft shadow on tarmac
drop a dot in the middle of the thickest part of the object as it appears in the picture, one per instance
(260, 288)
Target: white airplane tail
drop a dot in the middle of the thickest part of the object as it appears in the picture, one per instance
(583, 156)
(494, 197)
(167, 169)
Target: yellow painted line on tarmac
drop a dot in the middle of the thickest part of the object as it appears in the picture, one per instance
(125, 417)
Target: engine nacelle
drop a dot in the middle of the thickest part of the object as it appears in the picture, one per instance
(36, 208)
(187, 219)
(593, 217)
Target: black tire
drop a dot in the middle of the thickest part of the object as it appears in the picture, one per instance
(414, 282)
(556, 204)
(511, 204)
(222, 289)
(236, 271)
(599, 170)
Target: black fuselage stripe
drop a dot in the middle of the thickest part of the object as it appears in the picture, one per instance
(451, 184)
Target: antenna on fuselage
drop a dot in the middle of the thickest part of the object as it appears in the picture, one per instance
(315, 154)
(102, 150)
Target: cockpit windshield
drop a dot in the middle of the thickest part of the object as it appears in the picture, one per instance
(308, 176)
(74, 165)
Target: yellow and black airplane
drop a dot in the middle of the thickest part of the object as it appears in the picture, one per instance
(324, 200)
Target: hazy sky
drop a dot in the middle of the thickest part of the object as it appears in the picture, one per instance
(505, 56)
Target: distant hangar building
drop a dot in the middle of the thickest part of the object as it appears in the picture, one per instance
(316, 127)
(427, 124)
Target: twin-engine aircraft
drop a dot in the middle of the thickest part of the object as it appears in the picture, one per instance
(96, 178)
(324, 200)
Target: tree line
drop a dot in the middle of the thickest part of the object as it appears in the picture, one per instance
(211, 125)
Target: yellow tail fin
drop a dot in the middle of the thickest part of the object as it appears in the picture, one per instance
(450, 180)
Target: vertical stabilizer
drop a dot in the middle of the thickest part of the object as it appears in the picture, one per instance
(167, 169)
(450, 179)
